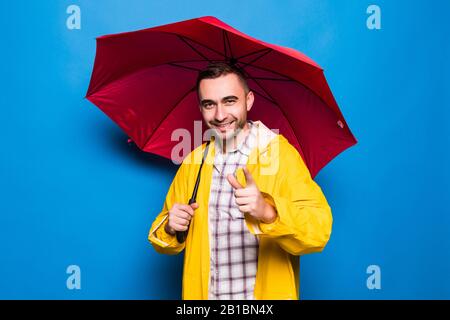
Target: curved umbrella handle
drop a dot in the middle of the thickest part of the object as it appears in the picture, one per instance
(182, 235)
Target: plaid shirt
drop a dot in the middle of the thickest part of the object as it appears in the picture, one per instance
(234, 250)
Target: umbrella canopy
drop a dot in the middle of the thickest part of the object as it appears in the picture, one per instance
(145, 82)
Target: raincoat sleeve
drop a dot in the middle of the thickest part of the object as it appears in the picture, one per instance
(304, 220)
(159, 238)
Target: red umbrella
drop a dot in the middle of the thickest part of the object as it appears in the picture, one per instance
(145, 82)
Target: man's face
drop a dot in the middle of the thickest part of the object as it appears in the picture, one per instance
(224, 104)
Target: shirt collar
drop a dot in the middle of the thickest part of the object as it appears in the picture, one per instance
(248, 143)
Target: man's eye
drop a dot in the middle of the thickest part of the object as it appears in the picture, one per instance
(207, 105)
(230, 101)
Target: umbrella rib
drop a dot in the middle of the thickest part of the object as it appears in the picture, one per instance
(224, 44)
(190, 46)
(196, 42)
(254, 52)
(275, 103)
(293, 80)
(270, 98)
(245, 63)
(229, 43)
(185, 67)
(274, 72)
(184, 39)
(168, 113)
(271, 101)
(263, 89)
(259, 57)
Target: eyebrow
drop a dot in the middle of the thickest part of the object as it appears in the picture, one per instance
(204, 101)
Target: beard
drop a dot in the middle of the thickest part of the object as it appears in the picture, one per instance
(229, 137)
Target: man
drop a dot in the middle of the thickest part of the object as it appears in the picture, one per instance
(257, 207)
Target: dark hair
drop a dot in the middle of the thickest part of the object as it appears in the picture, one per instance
(217, 69)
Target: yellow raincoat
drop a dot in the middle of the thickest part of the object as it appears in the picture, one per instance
(303, 224)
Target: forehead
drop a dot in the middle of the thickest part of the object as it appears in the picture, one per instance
(221, 87)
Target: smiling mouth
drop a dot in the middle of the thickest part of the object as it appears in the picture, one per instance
(224, 126)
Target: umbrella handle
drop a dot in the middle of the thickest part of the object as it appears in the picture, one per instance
(182, 235)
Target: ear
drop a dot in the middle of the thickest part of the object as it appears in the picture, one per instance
(250, 100)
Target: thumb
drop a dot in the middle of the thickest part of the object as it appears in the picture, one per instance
(248, 176)
(194, 205)
(233, 181)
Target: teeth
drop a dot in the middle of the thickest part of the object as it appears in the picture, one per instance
(224, 125)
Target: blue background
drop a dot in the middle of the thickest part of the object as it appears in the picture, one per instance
(72, 191)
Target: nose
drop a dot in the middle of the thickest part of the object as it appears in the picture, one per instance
(220, 115)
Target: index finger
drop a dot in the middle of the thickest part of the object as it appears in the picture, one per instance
(186, 208)
(244, 192)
